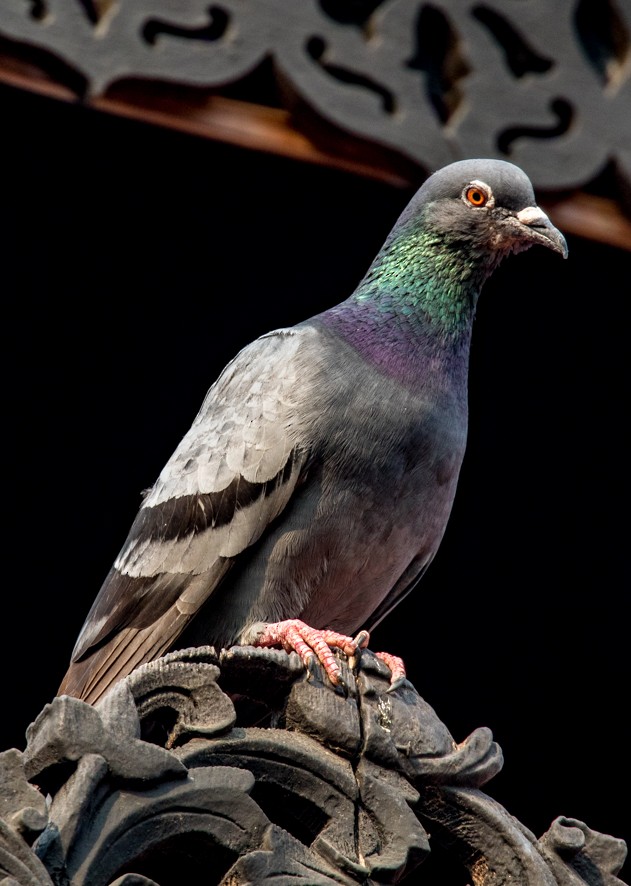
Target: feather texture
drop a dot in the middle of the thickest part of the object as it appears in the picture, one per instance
(317, 479)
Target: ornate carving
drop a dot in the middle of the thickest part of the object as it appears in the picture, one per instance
(239, 769)
(547, 86)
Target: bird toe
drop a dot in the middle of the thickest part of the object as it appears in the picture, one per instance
(398, 675)
(312, 644)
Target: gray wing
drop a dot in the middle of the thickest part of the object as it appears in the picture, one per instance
(231, 475)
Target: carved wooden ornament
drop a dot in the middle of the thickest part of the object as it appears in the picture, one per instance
(239, 769)
(544, 84)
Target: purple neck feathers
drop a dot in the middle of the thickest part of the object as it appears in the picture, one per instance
(401, 346)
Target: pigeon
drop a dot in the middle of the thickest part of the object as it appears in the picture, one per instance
(314, 486)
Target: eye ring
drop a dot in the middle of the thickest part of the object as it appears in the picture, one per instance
(476, 196)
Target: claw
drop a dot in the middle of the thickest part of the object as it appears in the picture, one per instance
(342, 684)
(361, 642)
(398, 675)
(362, 639)
(309, 662)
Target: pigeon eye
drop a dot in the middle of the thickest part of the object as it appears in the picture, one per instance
(476, 196)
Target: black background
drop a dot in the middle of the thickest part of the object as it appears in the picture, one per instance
(137, 261)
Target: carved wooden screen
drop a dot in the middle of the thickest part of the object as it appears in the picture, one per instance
(395, 88)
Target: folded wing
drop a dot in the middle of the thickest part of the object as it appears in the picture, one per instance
(230, 477)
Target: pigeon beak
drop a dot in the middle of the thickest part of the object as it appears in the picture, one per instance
(541, 230)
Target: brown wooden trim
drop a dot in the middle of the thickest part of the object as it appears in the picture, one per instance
(211, 116)
(596, 218)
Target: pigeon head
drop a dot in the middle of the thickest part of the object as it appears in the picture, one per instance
(462, 222)
(486, 207)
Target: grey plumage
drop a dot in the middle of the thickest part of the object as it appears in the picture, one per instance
(317, 479)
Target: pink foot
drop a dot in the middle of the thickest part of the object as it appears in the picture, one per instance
(397, 668)
(294, 635)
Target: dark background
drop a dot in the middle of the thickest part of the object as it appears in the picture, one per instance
(136, 261)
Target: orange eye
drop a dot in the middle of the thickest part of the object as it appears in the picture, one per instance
(476, 196)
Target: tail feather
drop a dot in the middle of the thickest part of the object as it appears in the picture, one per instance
(92, 676)
(94, 671)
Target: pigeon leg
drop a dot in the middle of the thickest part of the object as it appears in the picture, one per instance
(294, 635)
(397, 669)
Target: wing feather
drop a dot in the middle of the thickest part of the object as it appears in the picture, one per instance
(228, 479)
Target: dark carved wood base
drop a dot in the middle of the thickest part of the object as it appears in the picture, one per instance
(239, 769)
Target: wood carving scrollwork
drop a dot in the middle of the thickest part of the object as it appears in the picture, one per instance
(545, 85)
(239, 769)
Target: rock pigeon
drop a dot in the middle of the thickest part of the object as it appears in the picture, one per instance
(314, 486)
